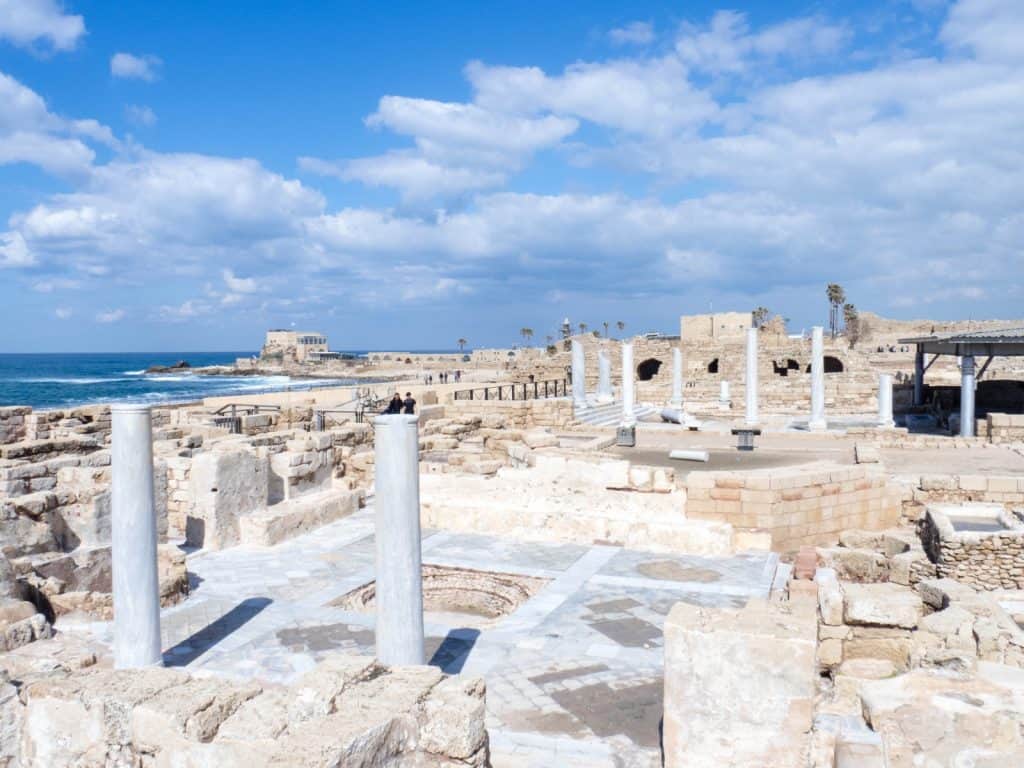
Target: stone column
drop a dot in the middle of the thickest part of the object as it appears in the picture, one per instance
(399, 595)
(817, 422)
(579, 381)
(677, 379)
(628, 396)
(604, 377)
(919, 375)
(885, 400)
(723, 395)
(751, 383)
(967, 396)
(133, 537)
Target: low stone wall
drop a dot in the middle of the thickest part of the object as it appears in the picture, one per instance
(799, 505)
(983, 559)
(348, 711)
(1002, 428)
(12, 423)
(552, 413)
(1007, 490)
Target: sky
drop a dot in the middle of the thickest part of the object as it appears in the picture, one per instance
(399, 175)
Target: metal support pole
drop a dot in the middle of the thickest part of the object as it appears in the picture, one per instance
(919, 375)
(967, 396)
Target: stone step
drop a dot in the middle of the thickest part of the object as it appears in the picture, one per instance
(294, 517)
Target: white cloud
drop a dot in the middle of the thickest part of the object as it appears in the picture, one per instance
(187, 310)
(239, 284)
(14, 251)
(130, 66)
(647, 96)
(140, 115)
(26, 22)
(110, 316)
(63, 313)
(992, 29)
(727, 44)
(634, 33)
(417, 177)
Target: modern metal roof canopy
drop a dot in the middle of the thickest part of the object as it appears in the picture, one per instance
(1005, 342)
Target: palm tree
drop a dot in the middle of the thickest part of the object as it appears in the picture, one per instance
(851, 318)
(583, 327)
(605, 324)
(760, 316)
(596, 334)
(836, 298)
(620, 325)
(526, 333)
(462, 344)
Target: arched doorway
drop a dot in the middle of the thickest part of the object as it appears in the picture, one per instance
(648, 369)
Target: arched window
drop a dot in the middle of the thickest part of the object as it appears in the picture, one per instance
(648, 369)
(833, 364)
(713, 366)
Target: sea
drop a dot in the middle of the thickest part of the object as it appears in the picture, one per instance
(63, 380)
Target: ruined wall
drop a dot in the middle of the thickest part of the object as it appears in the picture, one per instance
(552, 413)
(12, 423)
(984, 560)
(1007, 490)
(1002, 428)
(801, 505)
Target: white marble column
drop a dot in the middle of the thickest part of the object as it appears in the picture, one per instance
(579, 381)
(133, 539)
(399, 595)
(628, 394)
(751, 382)
(967, 396)
(677, 379)
(885, 400)
(604, 377)
(817, 422)
(723, 395)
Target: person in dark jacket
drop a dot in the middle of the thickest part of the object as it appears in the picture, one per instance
(395, 405)
(409, 403)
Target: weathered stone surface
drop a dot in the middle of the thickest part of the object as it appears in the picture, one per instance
(739, 685)
(539, 439)
(939, 593)
(883, 605)
(935, 719)
(451, 705)
(830, 596)
(225, 484)
(859, 565)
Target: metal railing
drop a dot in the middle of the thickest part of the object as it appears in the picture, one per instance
(535, 390)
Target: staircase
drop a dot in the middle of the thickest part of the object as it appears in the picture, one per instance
(610, 414)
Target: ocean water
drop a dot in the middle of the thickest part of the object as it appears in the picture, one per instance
(62, 380)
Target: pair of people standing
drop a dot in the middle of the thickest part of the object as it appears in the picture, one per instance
(398, 405)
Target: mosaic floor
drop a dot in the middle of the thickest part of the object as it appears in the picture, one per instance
(574, 675)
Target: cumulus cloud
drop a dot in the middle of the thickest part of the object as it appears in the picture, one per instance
(63, 313)
(724, 182)
(28, 22)
(140, 115)
(110, 316)
(132, 67)
(239, 284)
(634, 33)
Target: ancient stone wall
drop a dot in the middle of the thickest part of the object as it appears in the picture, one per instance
(1007, 490)
(1002, 428)
(348, 711)
(553, 413)
(12, 423)
(799, 505)
(983, 559)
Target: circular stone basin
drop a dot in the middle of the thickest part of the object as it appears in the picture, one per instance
(460, 596)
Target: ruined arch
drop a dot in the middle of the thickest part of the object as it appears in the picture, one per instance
(833, 364)
(648, 369)
(713, 366)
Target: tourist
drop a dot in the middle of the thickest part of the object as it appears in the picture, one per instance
(410, 404)
(395, 406)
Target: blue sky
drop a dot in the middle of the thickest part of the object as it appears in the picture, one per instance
(185, 175)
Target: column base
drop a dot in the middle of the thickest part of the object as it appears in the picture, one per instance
(887, 424)
(817, 425)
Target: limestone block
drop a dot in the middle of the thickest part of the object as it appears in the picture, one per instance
(739, 685)
(830, 596)
(932, 718)
(939, 593)
(857, 565)
(540, 439)
(452, 718)
(225, 485)
(272, 525)
(884, 605)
